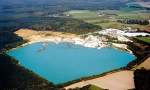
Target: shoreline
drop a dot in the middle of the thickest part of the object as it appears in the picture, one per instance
(62, 85)
(90, 40)
(58, 37)
(59, 40)
(73, 83)
(82, 78)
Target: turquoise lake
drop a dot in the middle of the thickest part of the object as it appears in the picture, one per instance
(60, 63)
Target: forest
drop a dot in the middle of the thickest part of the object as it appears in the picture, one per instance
(142, 79)
(134, 21)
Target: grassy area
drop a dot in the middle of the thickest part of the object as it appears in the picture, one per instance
(88, 87)
(93, 87)
(145, 39)
(82, 14)
(108, 18)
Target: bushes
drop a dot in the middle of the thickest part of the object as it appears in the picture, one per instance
(89, 87)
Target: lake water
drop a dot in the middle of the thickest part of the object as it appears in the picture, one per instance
(59, 63)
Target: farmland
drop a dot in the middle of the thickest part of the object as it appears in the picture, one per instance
(108, 18)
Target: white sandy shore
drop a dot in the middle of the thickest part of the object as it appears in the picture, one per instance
(57, 37)
(121, 80)
(124, 46)
(122, 33)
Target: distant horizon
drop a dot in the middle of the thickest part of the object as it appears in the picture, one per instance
(50, 1)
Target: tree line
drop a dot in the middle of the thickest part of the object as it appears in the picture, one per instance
(134, 21)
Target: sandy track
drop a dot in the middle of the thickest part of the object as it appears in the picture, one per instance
(145, 64)
(121, 80)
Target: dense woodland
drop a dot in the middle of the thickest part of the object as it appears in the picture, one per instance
(65, 25)
(134, 21)
(7, 38)
(142, 79)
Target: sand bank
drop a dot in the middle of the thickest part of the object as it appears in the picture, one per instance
(57, 37)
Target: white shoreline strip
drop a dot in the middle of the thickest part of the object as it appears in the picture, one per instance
(57, 37)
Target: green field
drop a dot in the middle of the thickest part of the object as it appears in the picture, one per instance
(93, 87)
(108, 18)
(89, 87)
(145, 39)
